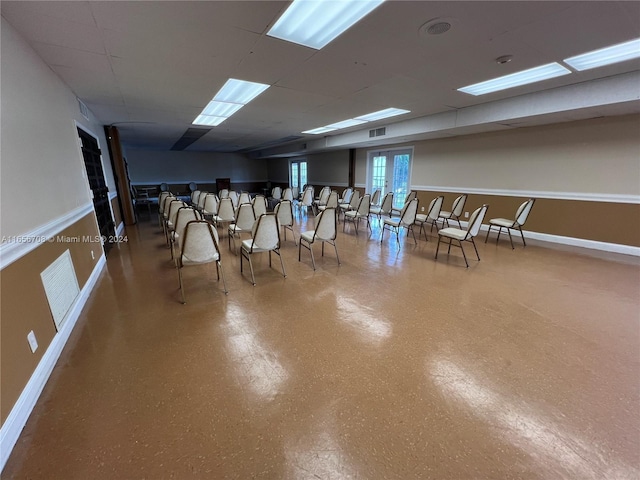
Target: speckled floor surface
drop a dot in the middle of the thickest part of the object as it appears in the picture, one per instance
(391, 366)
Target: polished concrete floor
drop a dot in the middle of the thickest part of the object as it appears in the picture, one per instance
(391, 366)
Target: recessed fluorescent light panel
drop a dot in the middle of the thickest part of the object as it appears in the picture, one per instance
(606, 56)
(525, 77)
(379, 115)
(315, 23)
(233, 95)
(369, 117)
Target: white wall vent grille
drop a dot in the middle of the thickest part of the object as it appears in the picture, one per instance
(84, 110)
(377, 132)
(61, 287)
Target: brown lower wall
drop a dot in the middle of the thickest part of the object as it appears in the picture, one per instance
(24, 306)
(608, 222)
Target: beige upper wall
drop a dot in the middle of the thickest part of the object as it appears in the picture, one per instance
(154, 167)
(598, 156)
(39, 143)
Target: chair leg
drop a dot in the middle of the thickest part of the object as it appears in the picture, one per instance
(382, 235)
(284, 272)
(410, 227)
(522, 235)
(221, 271)
(475, 248)
(253, 278)
(488, 231)
(510, 239)
(336, 249)
(313, 260)
(463, 254)
(181, 286)
(449, 249)
(438, 247)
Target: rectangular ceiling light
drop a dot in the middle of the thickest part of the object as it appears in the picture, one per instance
(316, 131)
(315, 23)
(525, 77)
(605, 56)
(346, 123)
(369, 117)
(379, 115)
(233, 95)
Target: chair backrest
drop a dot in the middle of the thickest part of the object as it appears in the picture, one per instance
(409, 211)
(259, 205)
(244, 198)
(200, 243)
(365, 205)
(170, 213)
(410, 196)
(233, 195)
(355, 199)
(458, 205)
(475, 221)
(332, 201)
(276, 193)
(210, 205)
(201, 199)
(523, 212)
(375, 199)
(288, 194)
(387, 203)
(266, 234)
(307, 197)
(245, 217)
(326, 225)
(295, 191)
(225, 210)
(224, 193)
(347, 193)
(434, 208)
(161, 198)
(284, 212)
(194, 196)
(184, 216)
(324, 195)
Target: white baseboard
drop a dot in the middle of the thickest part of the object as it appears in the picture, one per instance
(572, 241)
(17, 419)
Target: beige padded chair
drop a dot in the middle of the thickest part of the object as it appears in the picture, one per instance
(459, 235)
(233, 195)
(456, 211)
(332, 201)
(326, 231)
(433, 212)
(410, 196)
(287, 194)
(226, 213)
(199, 246)
(244, 198)
(194, 197)
(184, 216)
(210, 206)
(201, 199)
(265, 238)
(521, 217)
(259, 205)
(346, 195)
(364, 207)
(170, 216)
(375, 198)
(322, 199)
(352, 204)
(406, 220)
(224, 193)
(284, 213)
(307, 198)
(161, 204)
(385, 207)
(244, 220)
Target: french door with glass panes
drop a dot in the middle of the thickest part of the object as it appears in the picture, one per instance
(298, 174)
(390, 171)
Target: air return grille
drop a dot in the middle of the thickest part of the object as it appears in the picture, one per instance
(377, 132)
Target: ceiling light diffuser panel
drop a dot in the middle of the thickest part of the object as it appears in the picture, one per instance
(369, 117)
(525, 77)
(315, 23)
(606, 56)
(233, 95)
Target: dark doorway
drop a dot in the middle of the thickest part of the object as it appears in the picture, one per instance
(95, 174)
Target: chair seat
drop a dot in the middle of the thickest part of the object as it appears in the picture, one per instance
(444, 214)
(376, 210)
(501, 222)
(246, 245)
(454, 233)
(394, 221)
(344, 206)
(352, 214)
(217, 219)
(233, 228)
(188, 261)
(307, 236)
(421, 218)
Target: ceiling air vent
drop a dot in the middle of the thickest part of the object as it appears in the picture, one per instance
(377, 132)
(83, 109)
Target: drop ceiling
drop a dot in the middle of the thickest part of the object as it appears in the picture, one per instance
(150, 67)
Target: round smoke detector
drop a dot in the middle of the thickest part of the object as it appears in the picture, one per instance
(436, 26)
